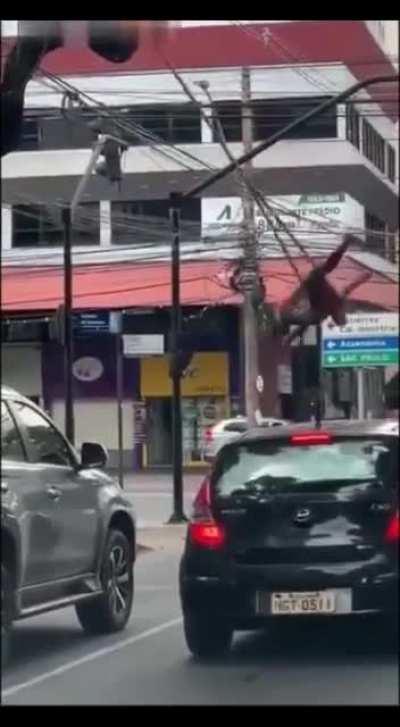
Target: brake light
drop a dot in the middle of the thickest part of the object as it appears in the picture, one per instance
(203, 530)
(392, 534)
(207, 535)
(307, 438)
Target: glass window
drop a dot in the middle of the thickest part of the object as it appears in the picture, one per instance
(42, 225)
(11, 444)
(45, 443)
(270, 117)
(277, 467)
(143, 221)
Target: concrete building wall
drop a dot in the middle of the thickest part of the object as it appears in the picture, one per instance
(21, 368)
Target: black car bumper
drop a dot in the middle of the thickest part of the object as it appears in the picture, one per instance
(367, 590)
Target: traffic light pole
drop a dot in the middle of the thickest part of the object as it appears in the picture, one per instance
(68, 218)
(319, 407)
(68, 332)
(178, 515)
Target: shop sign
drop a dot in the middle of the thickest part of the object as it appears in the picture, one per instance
(207, 375)
(88, 369)
(321, 214)
(143, 345)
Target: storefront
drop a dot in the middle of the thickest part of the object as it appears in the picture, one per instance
(205, 400)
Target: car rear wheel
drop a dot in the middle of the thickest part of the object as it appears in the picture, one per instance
(110, 612)
(5, 615)
(205, 636)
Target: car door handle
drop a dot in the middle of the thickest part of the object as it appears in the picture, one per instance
(53, 493)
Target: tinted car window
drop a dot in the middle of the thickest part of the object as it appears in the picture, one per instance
(276, 467)
(46, 444)
(11, 444)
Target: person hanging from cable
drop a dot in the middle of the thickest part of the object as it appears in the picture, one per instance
(315, 299)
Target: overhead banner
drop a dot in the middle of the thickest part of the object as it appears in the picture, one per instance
(306, 214)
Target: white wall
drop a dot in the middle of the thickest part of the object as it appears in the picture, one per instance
(161, 87)
(6, 227)
(96, 421)
(21, 368)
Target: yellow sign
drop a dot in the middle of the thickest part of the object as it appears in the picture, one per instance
(207, 375)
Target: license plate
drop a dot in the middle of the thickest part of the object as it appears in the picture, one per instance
(297, 604)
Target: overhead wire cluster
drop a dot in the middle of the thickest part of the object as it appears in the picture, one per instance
(158, 227)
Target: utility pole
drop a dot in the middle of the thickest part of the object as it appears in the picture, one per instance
(249, 274)
(178, 516)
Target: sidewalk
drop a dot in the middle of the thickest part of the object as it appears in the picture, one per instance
(167, 538)
(156, 481)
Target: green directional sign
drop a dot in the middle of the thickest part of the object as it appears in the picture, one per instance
(359, 358)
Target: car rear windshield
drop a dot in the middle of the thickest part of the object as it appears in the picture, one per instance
(279, 467)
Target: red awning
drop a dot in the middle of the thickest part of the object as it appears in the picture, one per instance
(128, 285)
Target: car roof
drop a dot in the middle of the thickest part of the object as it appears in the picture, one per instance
(8, 393)
(339, 427)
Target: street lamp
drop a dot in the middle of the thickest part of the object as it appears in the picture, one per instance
(111, 147)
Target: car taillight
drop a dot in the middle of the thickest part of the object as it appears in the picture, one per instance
(203, 530)
(307, 438)
(392, 534)
(207, 535)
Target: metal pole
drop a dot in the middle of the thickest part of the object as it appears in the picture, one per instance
(178, 515)
(96, 151)
(120, 394)
(68, 332)
(318, 407)
(250, 265)
(360, 394)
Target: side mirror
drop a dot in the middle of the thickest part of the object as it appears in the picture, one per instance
(93, 456)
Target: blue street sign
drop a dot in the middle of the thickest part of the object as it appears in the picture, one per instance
(95, 323)
(382, 343)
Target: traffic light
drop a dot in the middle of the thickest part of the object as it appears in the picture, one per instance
(181, 361)
(109, 165)
(35, 40)
(114, 40)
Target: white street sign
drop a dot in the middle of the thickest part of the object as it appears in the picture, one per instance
(363, 325)
(143, 345)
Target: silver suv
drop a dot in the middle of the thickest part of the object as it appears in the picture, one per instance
(67, 531)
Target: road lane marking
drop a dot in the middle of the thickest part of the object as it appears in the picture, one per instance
(10, 691)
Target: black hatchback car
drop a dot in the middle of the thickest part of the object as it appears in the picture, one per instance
(293, 522)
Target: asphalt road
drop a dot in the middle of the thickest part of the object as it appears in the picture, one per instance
(54, 663)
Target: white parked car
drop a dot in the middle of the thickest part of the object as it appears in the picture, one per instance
(227, 430)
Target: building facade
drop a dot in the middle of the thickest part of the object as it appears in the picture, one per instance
(335, 174)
